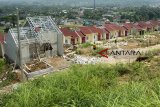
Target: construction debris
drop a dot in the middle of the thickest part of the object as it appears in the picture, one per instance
(86, 60)
(58, 62)
(35, 66)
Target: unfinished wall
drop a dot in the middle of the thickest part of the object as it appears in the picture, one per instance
(60, 44)
(51, 37)
(11, 49)
(25, 53)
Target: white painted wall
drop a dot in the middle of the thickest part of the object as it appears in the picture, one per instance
(66, 40)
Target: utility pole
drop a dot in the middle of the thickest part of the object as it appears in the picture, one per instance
(19, 41)
(94, 4)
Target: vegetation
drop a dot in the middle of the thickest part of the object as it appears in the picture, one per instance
(96, 52)
(7, 77)
(2, 29)
(127, 85)
(93, 14)
(134, 14)
(152, 53)
(87, 50)
(143, 13)
(86, 45)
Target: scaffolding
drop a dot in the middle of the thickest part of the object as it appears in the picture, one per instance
(41, 31)
(41, 24)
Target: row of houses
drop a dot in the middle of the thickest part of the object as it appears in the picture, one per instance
(108, 31)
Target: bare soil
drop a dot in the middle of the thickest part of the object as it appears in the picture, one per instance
(36, 66)
(58, 63)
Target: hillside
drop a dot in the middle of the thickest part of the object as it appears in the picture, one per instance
(83, 2)
(127, 85)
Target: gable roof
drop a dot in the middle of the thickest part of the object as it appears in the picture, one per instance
(113, 27)
(85, 30)
(149, 24)
(154, 22)
(142, 24)
(103, 29)
(69, 32)
(100, 30)
(136, 26)
(65, 31)
(106, 31)
(96, 29)
(80, 33)
(74, 34)
(93, 29)
(128, 26)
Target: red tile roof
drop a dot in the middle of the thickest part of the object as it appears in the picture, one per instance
(65, 31)
(100, 31)
(74, 34)
(112, 27)
(154, 22)
(149, 25)
(136, 26)
(85, 30)
(69, 32)
(128, 26)
(95, 29)
(142, 25)
(109, 28)
(104, 30)
(80, 33)
(1, 38)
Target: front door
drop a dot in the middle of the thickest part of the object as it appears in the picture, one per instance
(119, 34)
(126, 33)
(107, 36)
(83, 39)
(99, 37)
(73, 41)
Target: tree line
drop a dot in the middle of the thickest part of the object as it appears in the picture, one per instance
(143, 13)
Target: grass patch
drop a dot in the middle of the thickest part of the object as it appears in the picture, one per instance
(91, 86)
(152, 53)
(86, 45)
(96, 52)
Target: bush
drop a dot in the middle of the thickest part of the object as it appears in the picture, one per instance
(85, 45)
(78, 51)
(96, 52)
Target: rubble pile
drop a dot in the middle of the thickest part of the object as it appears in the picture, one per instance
(87, 60)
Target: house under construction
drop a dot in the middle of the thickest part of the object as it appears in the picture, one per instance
(40, 38)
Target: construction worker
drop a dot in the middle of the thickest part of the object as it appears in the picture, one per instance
(94, 46)
(115, 41)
